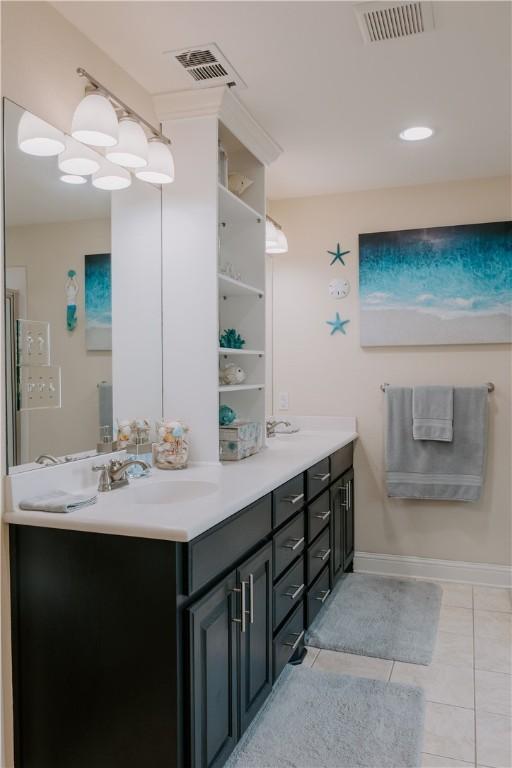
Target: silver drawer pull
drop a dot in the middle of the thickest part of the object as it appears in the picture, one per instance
(326, 592)
(295, 546)
(299, 636)
(298, 589)
(293, 499)
(322, 478)
(323, 515)
(323, 554)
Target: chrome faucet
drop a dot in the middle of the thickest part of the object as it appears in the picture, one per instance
(46, 458)
(272, 424)
(113, 475)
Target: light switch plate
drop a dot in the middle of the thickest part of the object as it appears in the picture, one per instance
(283, 401)
(33, 342)
(39, 387)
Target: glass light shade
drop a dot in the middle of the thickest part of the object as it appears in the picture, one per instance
(95, 122)
(78, 160)
(36, 137)
(281, 245)
(270, 235)
(111, 177)
(70, 178)
(416, 133)
(160, 167)
(132, 149)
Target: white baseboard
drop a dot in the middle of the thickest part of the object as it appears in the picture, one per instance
(485, 574)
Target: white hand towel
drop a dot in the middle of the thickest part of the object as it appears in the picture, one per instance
(58, 501)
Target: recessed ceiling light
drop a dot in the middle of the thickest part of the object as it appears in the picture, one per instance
(71, 178)
(417, 133)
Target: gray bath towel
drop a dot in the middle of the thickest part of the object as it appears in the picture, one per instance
(432, 413)
(426, 469)
(58, 501)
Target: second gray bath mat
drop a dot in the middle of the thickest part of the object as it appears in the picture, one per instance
(378, 616)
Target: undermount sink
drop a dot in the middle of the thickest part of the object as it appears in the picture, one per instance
(174, 491)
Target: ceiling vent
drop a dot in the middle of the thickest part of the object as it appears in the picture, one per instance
(204, 65)
(382, 21)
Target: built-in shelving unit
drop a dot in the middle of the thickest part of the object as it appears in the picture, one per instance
(210, 235)
(242, 302)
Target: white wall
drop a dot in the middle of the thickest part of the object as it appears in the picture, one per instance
(327, 375)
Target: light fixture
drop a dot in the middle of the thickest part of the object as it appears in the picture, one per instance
(36, 137)
(95, 121)
(416, 133)
(275, 238)
(71, 178)
(132, 149)
(160, 167)
(78, 160)
(270, 234)
(111, 177)
(281, 246)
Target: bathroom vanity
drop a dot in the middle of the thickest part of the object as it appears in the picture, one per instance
(155, 644)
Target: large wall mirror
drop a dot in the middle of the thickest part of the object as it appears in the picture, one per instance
(82, 304)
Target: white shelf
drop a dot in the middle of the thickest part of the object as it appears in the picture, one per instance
(228, 286)
(239, 387)
(229, 351)
(233, 210)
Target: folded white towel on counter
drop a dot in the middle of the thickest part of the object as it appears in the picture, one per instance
(432, 413)
(58, 501)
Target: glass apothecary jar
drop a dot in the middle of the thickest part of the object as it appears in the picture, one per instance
(171, 449)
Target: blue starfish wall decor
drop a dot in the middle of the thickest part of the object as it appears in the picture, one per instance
(337, 324)
(338, 254)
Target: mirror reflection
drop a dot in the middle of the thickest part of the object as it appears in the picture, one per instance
(59, 278)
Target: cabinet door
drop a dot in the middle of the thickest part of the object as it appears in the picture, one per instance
(337, 528)
(348, 539)
(214, 630)
(255, 578)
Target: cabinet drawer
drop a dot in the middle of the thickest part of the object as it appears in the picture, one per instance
(318, 556)
(341, 460)
(318, 478)
(319, 514)
(288, 640)
(288, 592)
(212, 553)
(317, 595)
(288, 499)
(288, 544)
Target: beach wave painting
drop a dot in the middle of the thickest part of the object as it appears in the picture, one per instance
(98, 302)
(443, 285)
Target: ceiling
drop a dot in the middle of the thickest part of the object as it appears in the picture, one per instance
(34, 193)
(334, 103)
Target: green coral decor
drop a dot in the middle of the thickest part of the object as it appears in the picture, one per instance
(230, 339)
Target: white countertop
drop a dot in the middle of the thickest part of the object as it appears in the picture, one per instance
(238, 484)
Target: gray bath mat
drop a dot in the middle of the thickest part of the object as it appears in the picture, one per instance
(379, 616)
(325, 720)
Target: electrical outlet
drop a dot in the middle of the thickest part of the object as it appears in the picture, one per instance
(39, 387)
(33, 342)
(283, 401)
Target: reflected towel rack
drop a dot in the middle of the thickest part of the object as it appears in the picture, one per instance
(488, 384)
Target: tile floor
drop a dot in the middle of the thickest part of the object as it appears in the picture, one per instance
(468, 686)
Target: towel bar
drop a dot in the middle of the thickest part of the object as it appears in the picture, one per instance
(489, 384)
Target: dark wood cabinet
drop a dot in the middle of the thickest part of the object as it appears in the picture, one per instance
(348, 533)
(342, 525)
(230, 658)
(255, 577)
(130, 651)
(214, 631)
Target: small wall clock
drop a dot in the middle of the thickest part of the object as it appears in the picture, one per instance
(339, 289)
